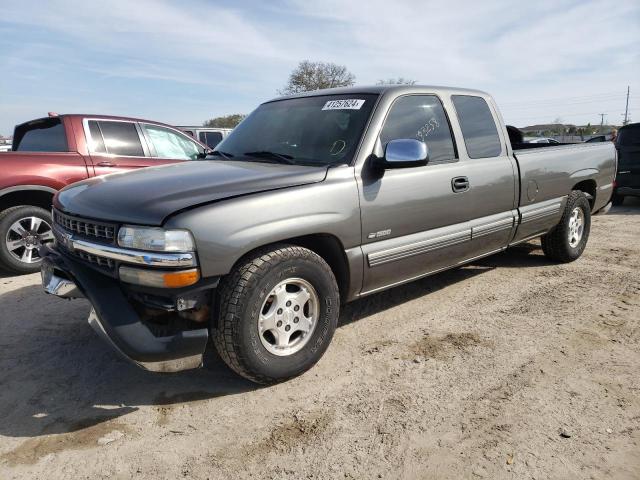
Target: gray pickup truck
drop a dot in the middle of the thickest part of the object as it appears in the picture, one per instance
(314, 200)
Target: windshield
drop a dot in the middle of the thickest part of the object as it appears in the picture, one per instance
(322, 130)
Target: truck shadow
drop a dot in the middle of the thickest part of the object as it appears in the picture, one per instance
(523, 255)
(630, 206)
(57, 376)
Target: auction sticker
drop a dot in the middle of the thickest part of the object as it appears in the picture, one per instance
(345, 104)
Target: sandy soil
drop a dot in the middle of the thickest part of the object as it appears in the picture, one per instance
(509, 368)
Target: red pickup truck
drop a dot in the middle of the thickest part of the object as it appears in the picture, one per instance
(52, 152)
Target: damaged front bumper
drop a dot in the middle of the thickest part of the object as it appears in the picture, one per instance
(114, 317)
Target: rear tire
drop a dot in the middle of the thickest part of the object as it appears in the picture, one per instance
(22, 230)
(276, 288)
(566, 242)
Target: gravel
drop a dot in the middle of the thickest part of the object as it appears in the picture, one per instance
(513, 367)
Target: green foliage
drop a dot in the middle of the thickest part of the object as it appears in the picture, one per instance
(227, 121)
(309, 76)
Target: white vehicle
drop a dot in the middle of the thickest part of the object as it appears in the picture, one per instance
(210, 136)
(541, 140)
(6, 147)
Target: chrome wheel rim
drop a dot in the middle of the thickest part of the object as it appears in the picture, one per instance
(25, 236)
(576, 227)
(288, 317)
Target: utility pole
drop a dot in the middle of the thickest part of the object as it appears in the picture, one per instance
(626, 109)
(602, 115)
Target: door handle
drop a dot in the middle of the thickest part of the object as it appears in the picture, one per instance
(459, 184)
(105, 164)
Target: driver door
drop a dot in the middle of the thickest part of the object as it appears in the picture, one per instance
(412, 220)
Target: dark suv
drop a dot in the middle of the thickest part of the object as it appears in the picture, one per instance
(628, 177)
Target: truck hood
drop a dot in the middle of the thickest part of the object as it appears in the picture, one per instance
(148, 196)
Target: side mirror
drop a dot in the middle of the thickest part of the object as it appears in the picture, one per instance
(404, 153)
(205, 153)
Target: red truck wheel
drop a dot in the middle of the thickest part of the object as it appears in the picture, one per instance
(22, 230)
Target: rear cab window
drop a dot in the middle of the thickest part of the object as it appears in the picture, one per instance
(478, 126)
(43, 135)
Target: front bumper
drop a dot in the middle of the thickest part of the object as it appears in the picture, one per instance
(115, 319)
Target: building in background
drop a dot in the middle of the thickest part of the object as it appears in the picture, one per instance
(5, 143)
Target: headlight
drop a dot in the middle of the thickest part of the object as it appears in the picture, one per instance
(155, 239)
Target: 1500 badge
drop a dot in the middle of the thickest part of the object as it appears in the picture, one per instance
(381, 233)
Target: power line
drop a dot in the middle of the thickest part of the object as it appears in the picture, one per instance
(544, 104)
(567, 98)
(551, 114)
(626, 109)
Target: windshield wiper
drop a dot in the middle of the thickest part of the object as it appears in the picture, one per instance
(221, 154)
(279, 157)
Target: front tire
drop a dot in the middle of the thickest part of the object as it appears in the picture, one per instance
(22, 230)
(277, 313)
(566, 242)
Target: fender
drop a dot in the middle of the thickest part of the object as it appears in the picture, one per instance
(23, 188)
(585, 174)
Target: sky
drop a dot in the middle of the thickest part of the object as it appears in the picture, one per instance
(185, 62)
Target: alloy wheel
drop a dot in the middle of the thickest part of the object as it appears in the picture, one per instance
(288, 317)
(25, 236)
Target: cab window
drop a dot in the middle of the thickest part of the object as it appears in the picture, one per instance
(421, 117)
(478, 127)
(169, 144)
(118, 138)
(211, 139)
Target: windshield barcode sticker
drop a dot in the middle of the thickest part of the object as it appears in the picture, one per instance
(346, 104)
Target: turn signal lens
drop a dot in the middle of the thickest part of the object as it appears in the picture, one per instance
(159, 278)
(181, 279)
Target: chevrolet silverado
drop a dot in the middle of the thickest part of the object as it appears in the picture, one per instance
(314, 200)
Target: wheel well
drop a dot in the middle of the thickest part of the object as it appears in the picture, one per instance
(589, 187)
(332, 251)
(325, 245)
(37, 198)
(329, 248)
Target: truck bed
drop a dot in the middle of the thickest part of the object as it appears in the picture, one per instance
(547, 173)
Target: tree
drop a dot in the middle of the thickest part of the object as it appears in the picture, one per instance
(316, 76)
(227, 121)
(396, 81)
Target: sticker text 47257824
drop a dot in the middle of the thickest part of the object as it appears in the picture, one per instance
(344, 104)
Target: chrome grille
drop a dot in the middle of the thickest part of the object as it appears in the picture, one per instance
(86, 228)
(96, 260)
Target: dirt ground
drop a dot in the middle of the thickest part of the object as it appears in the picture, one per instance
(512, 367)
